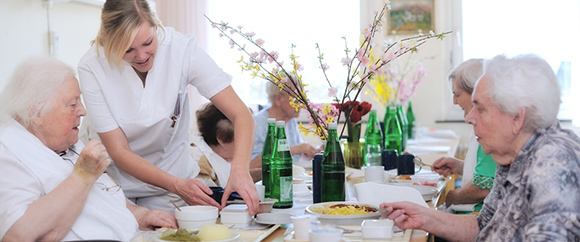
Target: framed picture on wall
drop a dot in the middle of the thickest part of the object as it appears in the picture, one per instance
(410, 16)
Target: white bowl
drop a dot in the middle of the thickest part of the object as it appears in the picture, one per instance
(235, 214)
(195, 217)
(377, 229)
(426, 179)
(267, 205)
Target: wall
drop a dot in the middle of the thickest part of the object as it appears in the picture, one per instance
(23, 32)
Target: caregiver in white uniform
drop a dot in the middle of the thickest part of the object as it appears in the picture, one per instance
(134, 81)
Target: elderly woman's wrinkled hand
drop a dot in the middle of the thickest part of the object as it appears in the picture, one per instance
(93, 161)
(406, 215)
(157, 219)
(447, 166)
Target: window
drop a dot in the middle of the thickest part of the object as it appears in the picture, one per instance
(281, 24)
(548, 29)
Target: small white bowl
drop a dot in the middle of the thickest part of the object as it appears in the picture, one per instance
(235, 214)
(195, 217)
(377, 229)
(426, 179)
(267, 205)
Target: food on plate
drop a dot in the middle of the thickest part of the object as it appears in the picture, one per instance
(214, 232)
(425, 183)
(344, 209)
(403, 177)
(179, 235)
(426, 179)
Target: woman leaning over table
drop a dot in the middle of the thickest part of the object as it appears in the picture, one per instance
(51, 188)
(134, 80)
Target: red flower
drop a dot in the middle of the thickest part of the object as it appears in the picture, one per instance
(356, 111)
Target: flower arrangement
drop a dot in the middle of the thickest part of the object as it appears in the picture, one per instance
(360, 68)
(394, 86)
(353, 121)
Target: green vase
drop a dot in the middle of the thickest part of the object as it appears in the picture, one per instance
(354, 154)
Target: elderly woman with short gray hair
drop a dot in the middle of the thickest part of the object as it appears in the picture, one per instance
(535, 195)
(51, 188)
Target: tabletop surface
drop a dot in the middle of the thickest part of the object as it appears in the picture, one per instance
(429, 148)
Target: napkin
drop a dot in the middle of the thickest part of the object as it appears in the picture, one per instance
(374, 194)
(462, 207)
(354, 173)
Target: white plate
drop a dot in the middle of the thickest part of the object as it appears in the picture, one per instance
(342, 219)
(273, 218)
(426, 191)
(234, 237)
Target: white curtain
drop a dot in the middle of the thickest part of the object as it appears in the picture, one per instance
(187, 17)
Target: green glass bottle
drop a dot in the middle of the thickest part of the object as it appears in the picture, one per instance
(373, 141)
(267, 155)
(410, 121)
(333, 167)
(281, 169)
(404, 126)
(393, 131)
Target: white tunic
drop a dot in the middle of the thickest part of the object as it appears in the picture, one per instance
(115, 98)
(31, 170)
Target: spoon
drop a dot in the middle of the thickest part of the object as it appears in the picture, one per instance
(418, 162)
(175, 205)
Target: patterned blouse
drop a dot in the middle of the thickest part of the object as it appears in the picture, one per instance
(537, 198)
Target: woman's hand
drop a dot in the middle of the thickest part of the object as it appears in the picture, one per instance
(157, 219)
(406, 215)
(447, 166)
(194, 192)
(241, 182)
(151, 219)
(304, 148)
(92, 162)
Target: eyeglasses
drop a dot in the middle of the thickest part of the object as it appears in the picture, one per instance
(110, 189)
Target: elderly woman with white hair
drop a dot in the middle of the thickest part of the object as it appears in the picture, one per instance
(478, 169)
(280, 109)
(535, 195)
(51, 188)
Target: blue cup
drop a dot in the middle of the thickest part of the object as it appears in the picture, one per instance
(390, 158)
(317, 177)
(406, 165)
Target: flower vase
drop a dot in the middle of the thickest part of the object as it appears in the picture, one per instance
(354, 154)
(353, 131)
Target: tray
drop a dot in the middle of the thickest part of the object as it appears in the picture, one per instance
(255, 235)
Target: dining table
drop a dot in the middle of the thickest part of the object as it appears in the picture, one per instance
(430, 146)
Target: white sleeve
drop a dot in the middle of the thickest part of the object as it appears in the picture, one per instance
(97, 109)
(204, 74)
(18, 189)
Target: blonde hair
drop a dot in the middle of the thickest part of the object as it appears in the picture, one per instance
(120, 22)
